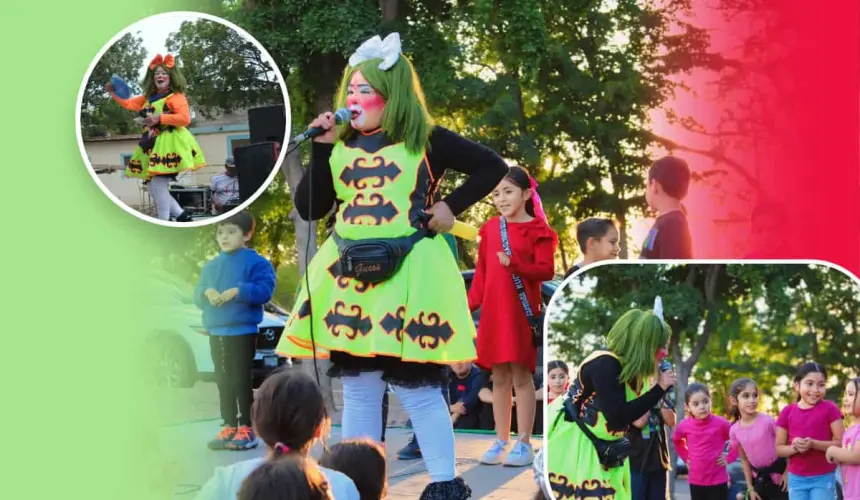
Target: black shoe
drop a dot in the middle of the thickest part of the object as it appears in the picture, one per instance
(184, 217)
(456, 489)
(411, 451)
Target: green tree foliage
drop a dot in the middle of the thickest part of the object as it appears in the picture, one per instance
(728, 321)
(225, 71)
(100, 114)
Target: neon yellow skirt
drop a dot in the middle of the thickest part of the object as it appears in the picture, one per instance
(575, 471)
(175, 150)
(418, 315)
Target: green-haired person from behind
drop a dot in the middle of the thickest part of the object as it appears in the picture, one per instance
(586, 447)
(383, 316)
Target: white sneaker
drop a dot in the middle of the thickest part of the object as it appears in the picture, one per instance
(521, 455)
(493, 456)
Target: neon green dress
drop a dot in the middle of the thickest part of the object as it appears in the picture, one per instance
(174, 149)
(575, 471)
(419, 315)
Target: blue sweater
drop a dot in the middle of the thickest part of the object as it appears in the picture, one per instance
(246, 270)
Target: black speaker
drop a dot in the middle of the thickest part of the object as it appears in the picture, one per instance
(254, 163)
(267, 124)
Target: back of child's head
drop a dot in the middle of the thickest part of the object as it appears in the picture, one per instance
(673, 174)
(285, 478)
(363, 461)
(594, 227)
(520, 177)
(735, 390)
(243, 220)
(806, 369)
(289, 411)
(695, 388)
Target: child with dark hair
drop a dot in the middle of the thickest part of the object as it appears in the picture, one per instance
(559, 376)
(805, 430)
(289, 415)
(232, 290)
(753, 433)
(598, 240)
(166, 147)
(515, 255)
(363, 461)
(289, 478)
(702, 442)
(669, 238)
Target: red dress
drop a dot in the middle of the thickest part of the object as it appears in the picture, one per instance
(504, 335)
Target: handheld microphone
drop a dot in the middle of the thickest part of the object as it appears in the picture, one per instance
(341, 116)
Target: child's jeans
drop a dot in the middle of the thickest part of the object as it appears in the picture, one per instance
(821, 487)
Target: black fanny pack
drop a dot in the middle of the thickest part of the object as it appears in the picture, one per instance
(612, 454)
(375, 260)
(763, 478)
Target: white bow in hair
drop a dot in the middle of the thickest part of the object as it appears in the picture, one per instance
(376, 48)
(658, 308)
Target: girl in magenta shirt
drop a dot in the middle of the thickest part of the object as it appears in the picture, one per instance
(700, 442)
(848, 456)
(753, 434)
(805, 430)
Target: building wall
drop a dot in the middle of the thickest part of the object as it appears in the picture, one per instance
(215, 142)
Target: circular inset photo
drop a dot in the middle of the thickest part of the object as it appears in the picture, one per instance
(181, 118)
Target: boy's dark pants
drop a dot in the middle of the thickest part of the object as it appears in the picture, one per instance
(233, 356)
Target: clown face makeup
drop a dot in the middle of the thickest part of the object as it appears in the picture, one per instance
(365, 104)
(161, 78)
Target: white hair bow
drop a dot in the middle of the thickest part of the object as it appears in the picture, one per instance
(376, 48)
(658, 308)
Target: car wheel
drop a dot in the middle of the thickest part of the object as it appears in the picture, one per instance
(172, 363)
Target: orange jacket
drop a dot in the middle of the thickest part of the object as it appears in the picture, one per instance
(179, 115)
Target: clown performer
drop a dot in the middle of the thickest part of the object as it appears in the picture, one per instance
(388, 303)
(586, 448)
(166, 146)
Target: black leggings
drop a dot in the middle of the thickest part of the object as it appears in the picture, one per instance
(717, 492)
(233, 356)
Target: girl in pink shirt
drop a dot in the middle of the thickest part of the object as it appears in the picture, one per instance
(805, 430)
(701, 442)
(753, 434)
(848, 456)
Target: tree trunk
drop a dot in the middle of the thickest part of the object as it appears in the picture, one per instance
(563, 251)
(621, 217)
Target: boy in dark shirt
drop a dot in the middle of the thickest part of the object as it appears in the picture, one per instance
(464, 382)
(649, 452)
(598, 240)
(669, 238)
(232, 290)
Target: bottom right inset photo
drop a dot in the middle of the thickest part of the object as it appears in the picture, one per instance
(703, 381)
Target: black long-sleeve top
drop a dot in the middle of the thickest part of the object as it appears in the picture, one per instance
(601, 377)
(447, 150)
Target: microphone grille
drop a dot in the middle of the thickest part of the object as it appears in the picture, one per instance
(342, 116)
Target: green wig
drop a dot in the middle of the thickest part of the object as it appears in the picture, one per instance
(405, 118)
(635, 338)
(177, 80)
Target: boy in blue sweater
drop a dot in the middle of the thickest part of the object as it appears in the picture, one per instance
(232, 290)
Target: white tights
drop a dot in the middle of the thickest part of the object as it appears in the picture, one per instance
(165, 204)
(425, 406)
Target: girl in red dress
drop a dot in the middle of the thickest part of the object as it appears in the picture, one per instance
(505, 340)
